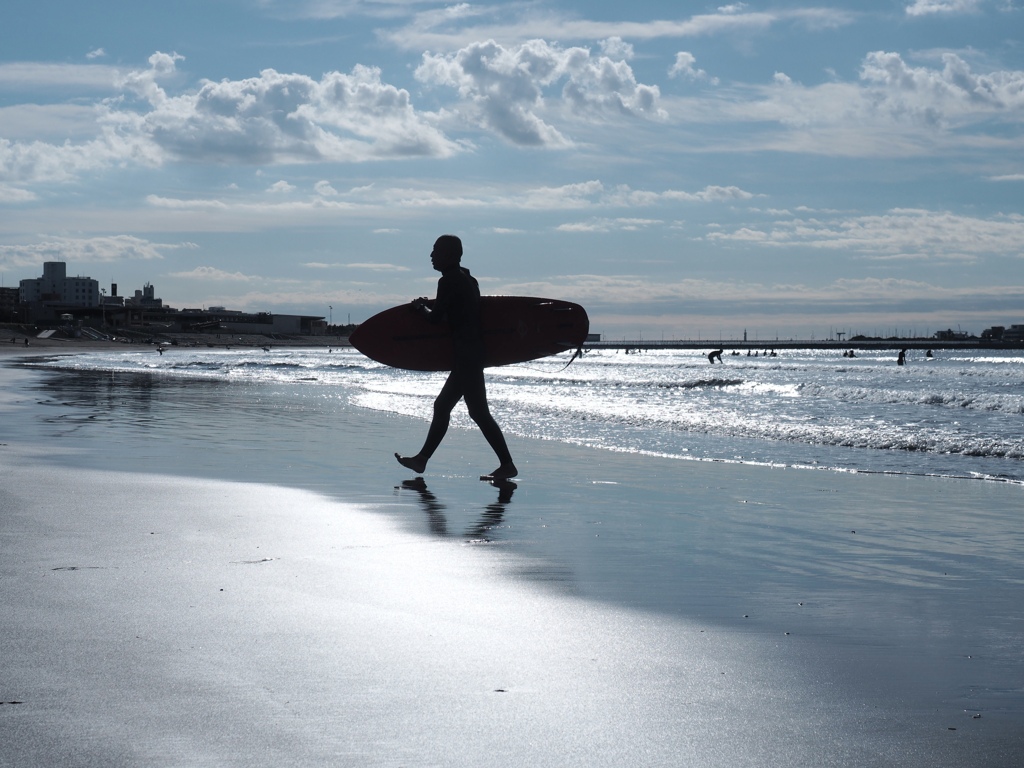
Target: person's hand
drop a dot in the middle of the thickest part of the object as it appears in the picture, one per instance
(420, 304)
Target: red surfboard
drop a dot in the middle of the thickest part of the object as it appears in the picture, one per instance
(516, 329)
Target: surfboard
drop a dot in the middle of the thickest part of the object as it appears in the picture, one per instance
(516, 329)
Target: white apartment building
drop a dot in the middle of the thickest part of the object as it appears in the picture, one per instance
(55, 286)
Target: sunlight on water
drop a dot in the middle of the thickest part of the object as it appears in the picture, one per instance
(957, 414)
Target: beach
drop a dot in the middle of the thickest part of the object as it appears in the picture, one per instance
(214, 573)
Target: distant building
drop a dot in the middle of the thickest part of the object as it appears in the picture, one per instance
(55, 287)
(58, 300)
(994, 333)
(1014, 333)
(145, 298)
(9, 298)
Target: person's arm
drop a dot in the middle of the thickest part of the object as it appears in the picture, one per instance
(439, 311)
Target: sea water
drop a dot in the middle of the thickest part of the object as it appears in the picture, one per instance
(957, 414)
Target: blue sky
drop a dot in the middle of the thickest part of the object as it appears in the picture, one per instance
(682, 169)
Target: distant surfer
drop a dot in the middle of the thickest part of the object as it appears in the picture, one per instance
(715, 355)
(458, 303)
(901, 359)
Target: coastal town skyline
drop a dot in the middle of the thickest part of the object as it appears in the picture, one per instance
(781, 168)
(83, 295)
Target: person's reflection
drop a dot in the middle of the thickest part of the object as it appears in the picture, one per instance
(493, 513)
(491, 518)
(435, 509)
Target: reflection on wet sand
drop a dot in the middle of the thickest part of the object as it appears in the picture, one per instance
(490, 519)
(132, 400)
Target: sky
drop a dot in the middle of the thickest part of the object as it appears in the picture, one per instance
(684, 170)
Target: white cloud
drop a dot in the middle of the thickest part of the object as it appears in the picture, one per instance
(513, 24)
(324, 189)
(885, 297)
(90, 250)
(38, 161)
(685, 66)
(710, 194)
(373, 267)
(9, 194)
(281, 187)
(901, 233)
(934, 96)
(212, 273)
(33, 76)
(931, 7)
(502, 88)
(609, 225)
(337, 9)
(400, 202)
(48, 123)
(179, 204)
(97, 53)
(617, 48)
(285, 118)
(594, 194)
(895, 109)
(272, 118)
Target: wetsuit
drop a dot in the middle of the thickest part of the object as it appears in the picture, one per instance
(458, 304)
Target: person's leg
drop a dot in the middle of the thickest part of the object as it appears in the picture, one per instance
(446, 400)
(475, 393)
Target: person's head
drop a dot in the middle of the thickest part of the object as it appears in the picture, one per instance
(447, 252)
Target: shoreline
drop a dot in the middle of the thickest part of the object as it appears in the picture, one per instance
(13, 341)
(838, 346)
(696, 612)
(58, 350)
(242, 340)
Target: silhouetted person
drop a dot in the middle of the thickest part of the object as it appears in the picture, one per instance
(902, 357)
(458, 304)
(715, 355)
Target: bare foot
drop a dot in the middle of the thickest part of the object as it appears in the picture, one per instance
(415, 463)
(504, 472)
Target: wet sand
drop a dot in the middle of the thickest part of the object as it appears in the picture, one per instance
(259, 597)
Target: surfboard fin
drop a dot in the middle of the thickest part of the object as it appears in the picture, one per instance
(577, 353)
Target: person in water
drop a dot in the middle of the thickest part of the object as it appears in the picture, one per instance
(458, 303)
(715, 355)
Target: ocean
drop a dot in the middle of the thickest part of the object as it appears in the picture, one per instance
(959, 414)
(774, 554)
